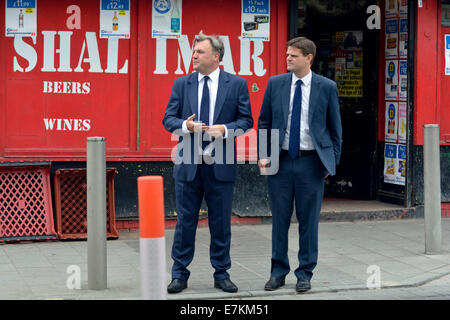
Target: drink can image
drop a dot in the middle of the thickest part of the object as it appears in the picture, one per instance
(262, 19)
(249, 26)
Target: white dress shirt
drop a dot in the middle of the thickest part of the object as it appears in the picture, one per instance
(213, 86)
(305, 139)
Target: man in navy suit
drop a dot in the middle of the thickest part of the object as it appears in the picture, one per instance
(303, 108)
(215, 104)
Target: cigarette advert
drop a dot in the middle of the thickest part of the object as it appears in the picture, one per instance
(255, 20)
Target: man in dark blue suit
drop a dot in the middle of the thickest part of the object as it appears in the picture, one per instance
(303, 109)
(215, 104)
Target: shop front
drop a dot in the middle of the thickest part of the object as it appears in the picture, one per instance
(72, 70)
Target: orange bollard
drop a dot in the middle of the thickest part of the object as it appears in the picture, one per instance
(152, 239)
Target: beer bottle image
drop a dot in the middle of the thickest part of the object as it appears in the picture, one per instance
(20, 19)
(115, 22)
(175, 18)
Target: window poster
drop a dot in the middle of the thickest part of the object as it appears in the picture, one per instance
(447, 54)
(21, 18)
(391, 80)
(403, 8)
(400, 168)
(403, 39)
(391, 8)
(391, 38)
(403, 80)
(115, 19)
(255, 20)
(390, 162)
(402, 122)
(167, 18)
(391, 122)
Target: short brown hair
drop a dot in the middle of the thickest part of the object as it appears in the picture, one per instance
(305, 45)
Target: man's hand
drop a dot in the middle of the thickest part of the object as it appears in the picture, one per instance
(216, 131)
(195, 126)
(264, 163)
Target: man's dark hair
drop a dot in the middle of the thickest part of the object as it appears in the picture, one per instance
(305, 45)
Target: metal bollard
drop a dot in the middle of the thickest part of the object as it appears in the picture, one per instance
(96, 213)
(152, 243)
(432, 189)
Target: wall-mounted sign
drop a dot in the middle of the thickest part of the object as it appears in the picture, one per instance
(21, 18)
(167, 18)
(115, 19)
(255, 20)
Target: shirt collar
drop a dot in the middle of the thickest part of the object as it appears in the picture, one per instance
(214, 76)
(306, 79)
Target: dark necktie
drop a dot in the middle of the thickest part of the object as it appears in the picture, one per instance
(204, 105)
(294, 135)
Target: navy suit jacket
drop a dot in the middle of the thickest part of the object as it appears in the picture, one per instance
(232, 109)
(324, 117)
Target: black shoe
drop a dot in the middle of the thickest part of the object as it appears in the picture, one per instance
(226, 285)
(274, 284)
(303, 285)
(176, 286)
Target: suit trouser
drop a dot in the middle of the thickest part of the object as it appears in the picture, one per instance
(189, 197)
(302, 180)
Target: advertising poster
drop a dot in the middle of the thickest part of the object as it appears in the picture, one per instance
(115, 19)
(447, 54)
(391, 119)
(167, 18)
(403, 80)
(391, 80)
(403, 7)
(255, 20)
(391, 47)
(349, 64)
(403, 39)
(400, 172)
(390, 163)
(21, 18)
(402, 122)
(391, 8)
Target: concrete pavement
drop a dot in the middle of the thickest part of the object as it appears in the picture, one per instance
(351, 254)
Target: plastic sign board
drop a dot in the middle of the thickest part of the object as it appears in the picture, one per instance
(255, 20)
(115, 19)
(21, 18)
(167, 19)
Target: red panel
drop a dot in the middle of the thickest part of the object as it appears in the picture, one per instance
(126, 108)
(157, 79)
(51, 112)
(425, 66)
(443, 96)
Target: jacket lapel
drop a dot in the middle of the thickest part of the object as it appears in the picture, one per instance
(224, 84)
(192, 91)
(286, 97)
(313, 96)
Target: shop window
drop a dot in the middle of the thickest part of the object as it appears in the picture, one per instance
(445, 13)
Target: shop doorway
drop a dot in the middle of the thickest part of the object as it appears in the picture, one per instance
(346, 53)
